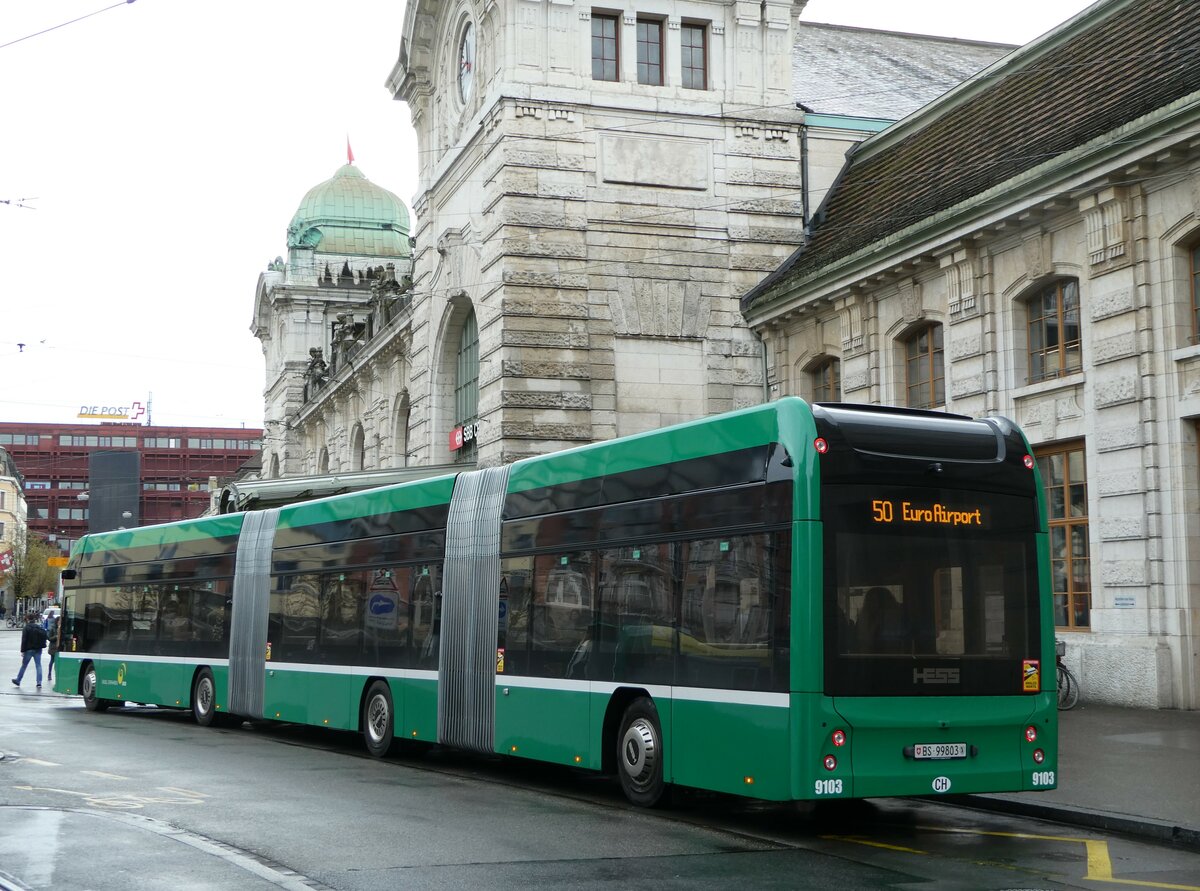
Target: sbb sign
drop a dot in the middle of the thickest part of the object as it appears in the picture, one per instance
(464, 435)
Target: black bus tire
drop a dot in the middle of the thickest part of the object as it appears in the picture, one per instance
(87, 688)
(378, 719)
(204, 698)
(640, 754)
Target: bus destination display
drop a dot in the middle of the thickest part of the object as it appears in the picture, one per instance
(916, 513)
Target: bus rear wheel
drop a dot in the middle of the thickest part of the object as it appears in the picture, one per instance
(378, 719)
(204, 699)
(640, 754)
(87, 687)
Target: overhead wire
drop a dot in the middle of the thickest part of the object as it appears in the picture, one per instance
(64, 24)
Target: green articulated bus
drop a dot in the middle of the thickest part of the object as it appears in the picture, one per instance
(784, 602)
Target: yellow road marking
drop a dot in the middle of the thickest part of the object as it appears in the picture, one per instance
(1099, 864)
(859, 840)
(186, 793)
(27, 760)
(107, 776)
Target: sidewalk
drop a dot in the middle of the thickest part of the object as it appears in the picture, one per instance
(1135, 771)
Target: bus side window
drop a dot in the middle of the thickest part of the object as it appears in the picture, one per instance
(295, 607)
(516, 574)
(637, 635)
(386, 620)
(562, 614)
(426, 620)
(343, 602)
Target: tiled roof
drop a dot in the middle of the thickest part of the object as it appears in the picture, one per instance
(1063, 93)
(880, 74)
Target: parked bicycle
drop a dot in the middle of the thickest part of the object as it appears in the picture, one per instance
(1068, 685)
(13, 621)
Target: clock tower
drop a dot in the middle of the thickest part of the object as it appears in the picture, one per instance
(598, 186)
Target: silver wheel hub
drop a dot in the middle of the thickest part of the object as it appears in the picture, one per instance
(378, 718)
(639, 752)
(204, 695)
(89, 684)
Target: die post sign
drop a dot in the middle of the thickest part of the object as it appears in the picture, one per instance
(116, 412)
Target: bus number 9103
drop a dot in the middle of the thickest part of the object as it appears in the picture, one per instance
(828, 787)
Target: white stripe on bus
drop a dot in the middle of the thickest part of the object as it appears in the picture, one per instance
(658, 691)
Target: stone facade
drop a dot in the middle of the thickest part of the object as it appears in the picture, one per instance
(600, 232)
(1118, 215)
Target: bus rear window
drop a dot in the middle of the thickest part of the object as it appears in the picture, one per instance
(928, 591)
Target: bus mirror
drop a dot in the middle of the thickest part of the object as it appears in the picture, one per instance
(68, 574)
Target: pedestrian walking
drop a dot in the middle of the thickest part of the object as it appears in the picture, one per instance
(33, 641)
(52, 646)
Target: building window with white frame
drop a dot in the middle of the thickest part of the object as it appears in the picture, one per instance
(693, 56)
(650, 51)
(606, 46)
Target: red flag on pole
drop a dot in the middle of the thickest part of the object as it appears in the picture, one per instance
(349, 152)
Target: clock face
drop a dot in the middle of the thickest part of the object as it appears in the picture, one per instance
(466, 62)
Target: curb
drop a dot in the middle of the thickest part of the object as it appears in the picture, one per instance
(1160, 831)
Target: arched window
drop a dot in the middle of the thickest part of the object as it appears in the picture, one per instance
(1194, 279)
(323, 461)
(827, 381)
(358, 449)
(400, 432)
(274, 471)
(466, 378)
(924, 368)
(1054, 337)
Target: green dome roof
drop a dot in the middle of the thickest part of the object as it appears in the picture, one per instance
(349, 214)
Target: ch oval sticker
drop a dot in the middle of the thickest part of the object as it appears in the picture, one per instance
(941, 784)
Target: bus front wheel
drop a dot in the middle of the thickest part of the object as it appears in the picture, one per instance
(87, 687)
(377, 719)
(639, 754)
(204, 699)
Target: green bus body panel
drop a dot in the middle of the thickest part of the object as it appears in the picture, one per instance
(807, 663)
(165, 534)
(879, 729)
(548, 725)
(730, 747)
(420, 710)
(788, 421)
(404, 496)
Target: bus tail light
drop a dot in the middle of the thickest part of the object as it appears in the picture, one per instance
(830, 762)
(1028, 462)
(1038, 756)
(820, 445)
(1031, 733)
(839, 738)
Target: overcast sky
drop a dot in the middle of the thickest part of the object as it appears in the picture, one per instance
(163, 146)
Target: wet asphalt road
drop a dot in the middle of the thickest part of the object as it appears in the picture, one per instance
(142, 798)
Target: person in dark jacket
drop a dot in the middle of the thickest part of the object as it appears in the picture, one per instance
(52, 635)
(33, 641)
